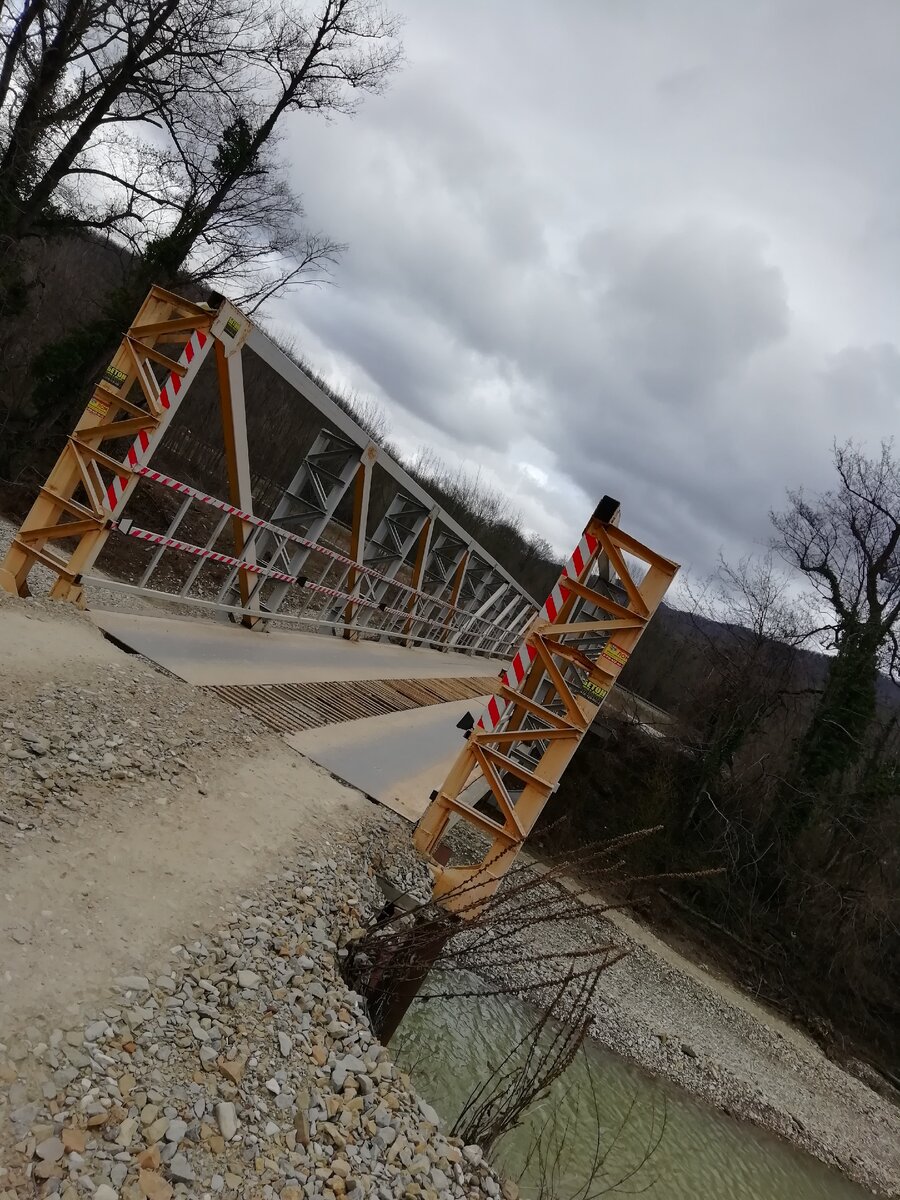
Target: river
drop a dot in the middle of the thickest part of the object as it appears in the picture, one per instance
(653, 1138)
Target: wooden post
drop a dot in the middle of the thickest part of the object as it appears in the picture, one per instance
(86, 486)
(237, 461)
(458, 576)
(396, 982)
(362, 486)
(422, 547)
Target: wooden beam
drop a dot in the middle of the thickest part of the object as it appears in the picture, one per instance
(423, 544)
(362, 488)
(81, 464)
(233, 415)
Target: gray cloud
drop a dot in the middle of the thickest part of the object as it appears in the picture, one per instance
(635, 248)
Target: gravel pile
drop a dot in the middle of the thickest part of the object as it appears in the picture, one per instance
(247, 1069)
(131, 733)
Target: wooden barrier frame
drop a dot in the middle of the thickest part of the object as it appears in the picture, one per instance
(548, 715)
(127, 415)
(87, 487)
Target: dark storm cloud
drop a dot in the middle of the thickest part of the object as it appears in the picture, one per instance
(636, 248)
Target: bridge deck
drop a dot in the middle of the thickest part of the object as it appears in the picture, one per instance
(396, 759)
(215, 653)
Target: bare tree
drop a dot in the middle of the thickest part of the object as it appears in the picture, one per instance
(88, 89)
(251, 243)
(845, 541)
(73, 68)
(320, 61)
(749, 625)
(229, 218)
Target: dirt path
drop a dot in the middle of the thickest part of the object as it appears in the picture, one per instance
(139, 865)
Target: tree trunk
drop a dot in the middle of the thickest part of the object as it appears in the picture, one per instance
(836, 736)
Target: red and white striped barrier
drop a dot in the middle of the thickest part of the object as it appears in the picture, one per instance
(295, 538)
(160, 539)
(574, 569)
(142, 447)
(228, 560)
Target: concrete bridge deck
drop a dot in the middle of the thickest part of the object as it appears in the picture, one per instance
(380, 717)
(213, 653)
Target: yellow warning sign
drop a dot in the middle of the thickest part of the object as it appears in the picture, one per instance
(99, 406)
(616, 654)
(595, 692)
(114, 376)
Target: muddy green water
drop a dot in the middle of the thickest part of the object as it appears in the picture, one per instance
(606, 1109)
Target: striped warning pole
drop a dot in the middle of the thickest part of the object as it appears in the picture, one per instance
(145, 443)
(577, 568)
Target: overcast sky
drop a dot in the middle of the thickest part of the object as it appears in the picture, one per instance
(643, 247)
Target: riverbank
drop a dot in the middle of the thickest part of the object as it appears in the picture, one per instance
(681, 1023)
(244, 1067)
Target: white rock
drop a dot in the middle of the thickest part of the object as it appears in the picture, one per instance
(338, 1078)
(351, 1063)
(248, 979)
(179, 1170)
(429, 1114)
(285, 1045)
(126, 1133)
(51, 1150)
(176, 1131)
(226, 1119)
(105, 1192)
(133, 983)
